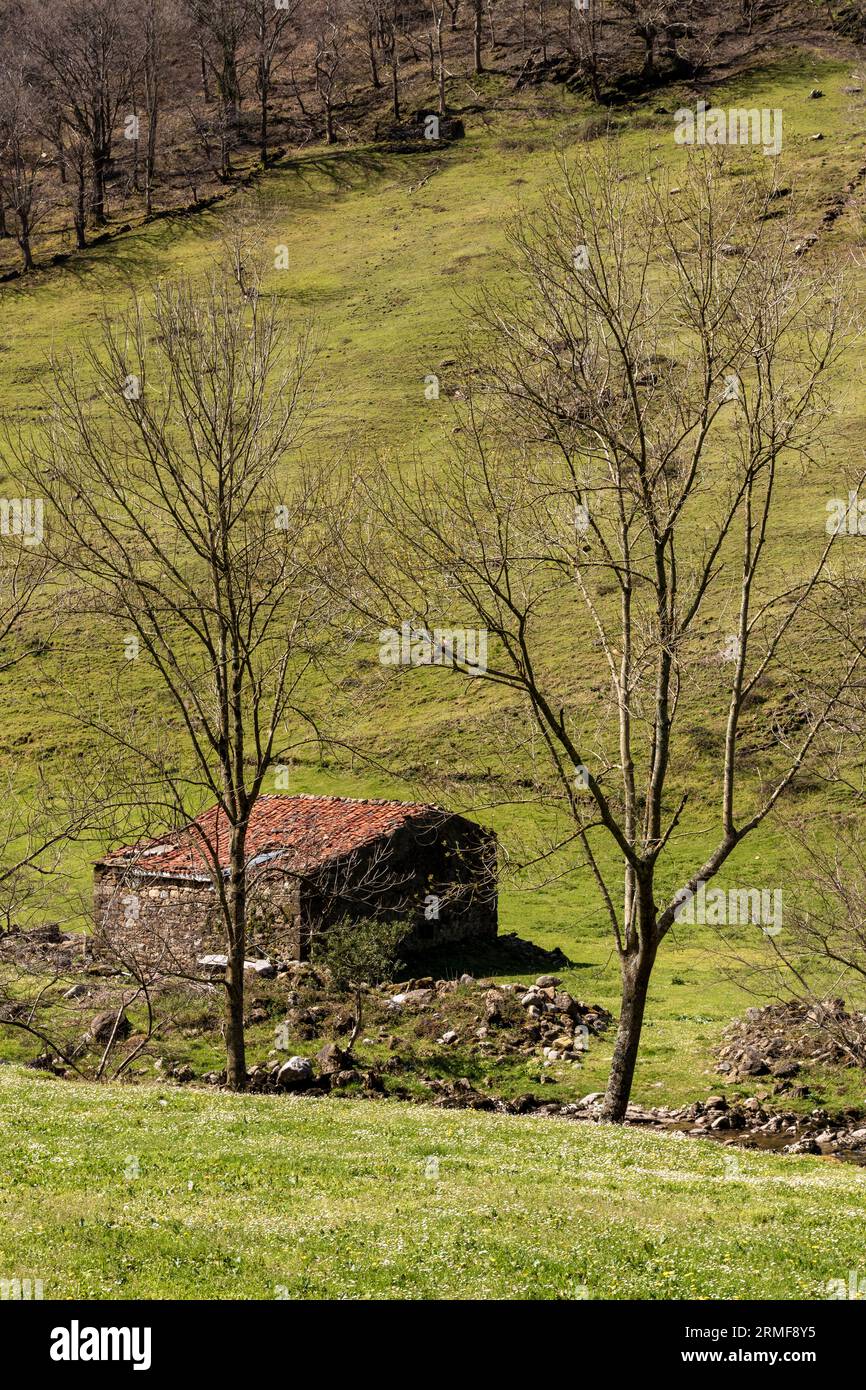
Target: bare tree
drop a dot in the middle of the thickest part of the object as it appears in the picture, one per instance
(37, 998)
(390, 25)
(477, 27)
(162, 460)
(329, 64)
(818, 954)
(275, 40)
(27, 619)
(371, 21)
(589, 18)
(21, 158)
(543, 31)
(655, 371)
(85, 57)
(358, 954)
(649, 20)
(222, 29)
(437, 16)
(152, 70)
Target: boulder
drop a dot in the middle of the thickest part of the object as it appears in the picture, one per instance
(346, 1078)
(295, 1074)
(264, 968)
(752, 1065)
(213, 962)
(217, 962)
(493, 1002)
(803, 1146)
(102, 1027)
(332, 1059)
(412, 999)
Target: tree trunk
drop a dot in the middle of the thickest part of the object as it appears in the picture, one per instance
(236, 1062)
(263, 124)
(136, 181)
(476, 38)
(492, 24)
(636, 970)
(440, 54)
(100, 156)
(61, 153)
(150, 157)
(230, 93)
(79, 212)
(24, 243)
(356, 1026)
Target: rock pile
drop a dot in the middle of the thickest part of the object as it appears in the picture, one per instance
(779, 1039)
(47, 948)
(542, 1021)
(541, 1018)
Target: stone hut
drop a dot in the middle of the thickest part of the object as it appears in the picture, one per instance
(311, 860)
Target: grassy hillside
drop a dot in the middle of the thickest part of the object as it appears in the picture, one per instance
(382, 251)
(155, 1193)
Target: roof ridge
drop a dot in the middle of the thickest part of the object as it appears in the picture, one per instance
(346, 800)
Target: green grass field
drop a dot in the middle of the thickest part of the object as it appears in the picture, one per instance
(129, 1192)
(240, 1196)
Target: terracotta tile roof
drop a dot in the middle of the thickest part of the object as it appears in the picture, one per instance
(301, 831)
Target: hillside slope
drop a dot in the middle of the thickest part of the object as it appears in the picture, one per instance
(382, 249)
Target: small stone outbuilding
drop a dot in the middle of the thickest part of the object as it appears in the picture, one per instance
(311, 860)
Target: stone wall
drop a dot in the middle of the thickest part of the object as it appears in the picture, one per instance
(177, 919)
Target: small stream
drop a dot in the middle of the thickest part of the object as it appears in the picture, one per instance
(756, 1139)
